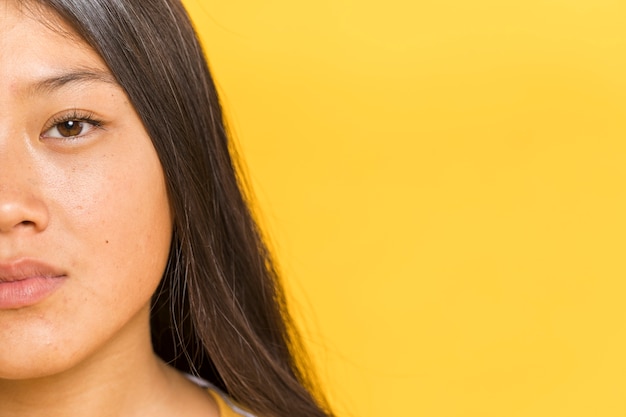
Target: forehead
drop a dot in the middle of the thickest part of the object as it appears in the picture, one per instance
(36, 44)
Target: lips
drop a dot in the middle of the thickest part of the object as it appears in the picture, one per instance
(25, 269)
(26, 282)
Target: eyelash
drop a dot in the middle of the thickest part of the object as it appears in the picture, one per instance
(74, 116)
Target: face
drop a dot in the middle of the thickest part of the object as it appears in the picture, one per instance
(85, 224)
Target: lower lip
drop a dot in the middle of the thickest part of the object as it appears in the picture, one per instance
(27, 292)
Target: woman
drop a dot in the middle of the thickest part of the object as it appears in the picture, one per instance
(130, 264)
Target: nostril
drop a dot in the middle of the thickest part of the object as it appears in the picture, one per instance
(21, 211)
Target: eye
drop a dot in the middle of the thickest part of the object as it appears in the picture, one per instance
(68, 129)
(70, 126)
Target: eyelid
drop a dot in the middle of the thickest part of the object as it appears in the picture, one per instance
(83, 116)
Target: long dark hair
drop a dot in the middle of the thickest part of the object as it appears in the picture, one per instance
(220, 312)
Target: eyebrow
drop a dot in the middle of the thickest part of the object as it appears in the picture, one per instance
(82, 75)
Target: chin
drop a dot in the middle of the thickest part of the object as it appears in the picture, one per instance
(36, 362)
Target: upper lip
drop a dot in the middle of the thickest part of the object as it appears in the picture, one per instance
(27, 268)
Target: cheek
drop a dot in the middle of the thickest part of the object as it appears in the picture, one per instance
(117, 219)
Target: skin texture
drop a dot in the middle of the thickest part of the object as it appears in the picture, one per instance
(94, 206)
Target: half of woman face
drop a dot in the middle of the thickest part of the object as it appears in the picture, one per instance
(85, 224)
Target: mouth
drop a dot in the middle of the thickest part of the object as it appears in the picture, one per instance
(27, 282)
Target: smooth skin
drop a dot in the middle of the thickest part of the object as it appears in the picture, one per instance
(81, 189)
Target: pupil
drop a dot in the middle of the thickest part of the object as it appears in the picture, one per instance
(70, 128)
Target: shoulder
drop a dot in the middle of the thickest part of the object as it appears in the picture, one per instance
(227, 407)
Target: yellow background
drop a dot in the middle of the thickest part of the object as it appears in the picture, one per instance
(444, 182)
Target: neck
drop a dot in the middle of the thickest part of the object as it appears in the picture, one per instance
(123, 378)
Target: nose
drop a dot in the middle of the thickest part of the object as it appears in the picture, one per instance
(20, 210)
(21, 207)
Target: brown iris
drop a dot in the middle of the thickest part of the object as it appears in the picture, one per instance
(70, 128)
